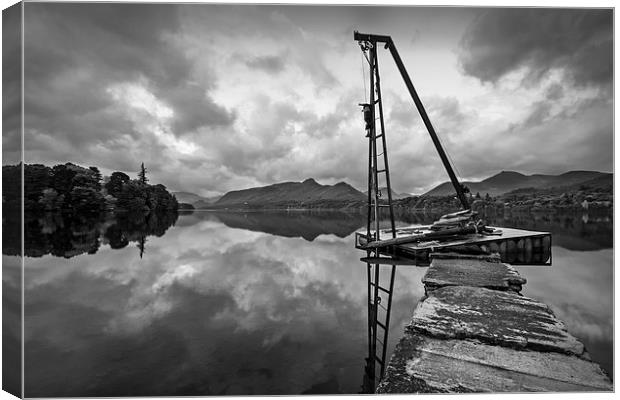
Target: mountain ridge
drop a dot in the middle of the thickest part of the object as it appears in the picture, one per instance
(506, 181)
(192, 198)
(307, 191)
(395, 195)
(311, 193)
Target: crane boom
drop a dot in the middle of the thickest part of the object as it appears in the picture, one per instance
(389, 44)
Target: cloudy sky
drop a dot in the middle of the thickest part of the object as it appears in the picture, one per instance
(219, 97)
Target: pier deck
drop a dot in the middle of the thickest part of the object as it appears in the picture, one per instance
(514, 246)
(474, 332)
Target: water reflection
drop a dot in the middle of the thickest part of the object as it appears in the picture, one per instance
(574, 231)
(69, 235)
(208, 310)
(232, 304)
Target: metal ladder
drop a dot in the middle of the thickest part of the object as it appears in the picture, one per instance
(379, 296)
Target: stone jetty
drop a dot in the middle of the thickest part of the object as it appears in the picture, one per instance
(474, 332)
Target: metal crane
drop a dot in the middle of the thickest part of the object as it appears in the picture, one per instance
(389, 44)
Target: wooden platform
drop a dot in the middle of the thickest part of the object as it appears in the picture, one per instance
(515, 246)
(474, 332)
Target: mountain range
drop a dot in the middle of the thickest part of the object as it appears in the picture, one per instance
(507, 181)
(395, 196)
(194, 199)
(310, 192)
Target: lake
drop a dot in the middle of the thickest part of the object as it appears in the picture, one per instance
(251, 303)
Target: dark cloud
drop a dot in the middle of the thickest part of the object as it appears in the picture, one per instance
(554, 92)
(555, 142)
(270, 64)
(580, 41)
(541, 111)
(74, 52)
(11, 87)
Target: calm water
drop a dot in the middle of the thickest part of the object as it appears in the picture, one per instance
(250, 303)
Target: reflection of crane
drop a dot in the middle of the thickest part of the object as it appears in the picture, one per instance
(380, 294)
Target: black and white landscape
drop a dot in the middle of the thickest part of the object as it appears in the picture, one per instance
(194, 174)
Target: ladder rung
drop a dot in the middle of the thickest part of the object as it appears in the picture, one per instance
(381, 325)
(380, 361)
(382, 306)
(380, 171)
(384, 205)
(379, 135)
(381, 343)
(380, 287)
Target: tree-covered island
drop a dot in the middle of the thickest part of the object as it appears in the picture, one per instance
(72, 188)
(71, 210)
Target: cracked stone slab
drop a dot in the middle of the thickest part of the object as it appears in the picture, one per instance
(470, 271)
(421, 364)
(493, 317)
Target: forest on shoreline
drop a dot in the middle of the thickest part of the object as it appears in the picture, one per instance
(70, 188)
(72, 210)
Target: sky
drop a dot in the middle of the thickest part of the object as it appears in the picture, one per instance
(215, 98)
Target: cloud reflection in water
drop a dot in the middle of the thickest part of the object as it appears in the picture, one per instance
(218, 307)
(208, 310)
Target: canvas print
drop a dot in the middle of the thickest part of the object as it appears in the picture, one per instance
(244, 199)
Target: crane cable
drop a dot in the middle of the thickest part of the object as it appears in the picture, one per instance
(456, 170)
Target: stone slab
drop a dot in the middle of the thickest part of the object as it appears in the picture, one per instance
(472, 271)
(493, 317)
(421, 364)
(494, 257)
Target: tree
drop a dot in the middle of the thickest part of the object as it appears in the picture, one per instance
(37, 177)
(62, 180)
(142, 174)
(116, 182)
(96, 176)
(132, 198)
(86, 199)
(477, 195)
(50, 200)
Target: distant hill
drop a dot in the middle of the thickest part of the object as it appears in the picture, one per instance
(296, 193)
(395, 196)
(602, 182)
(507, 181)
(194, 199)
